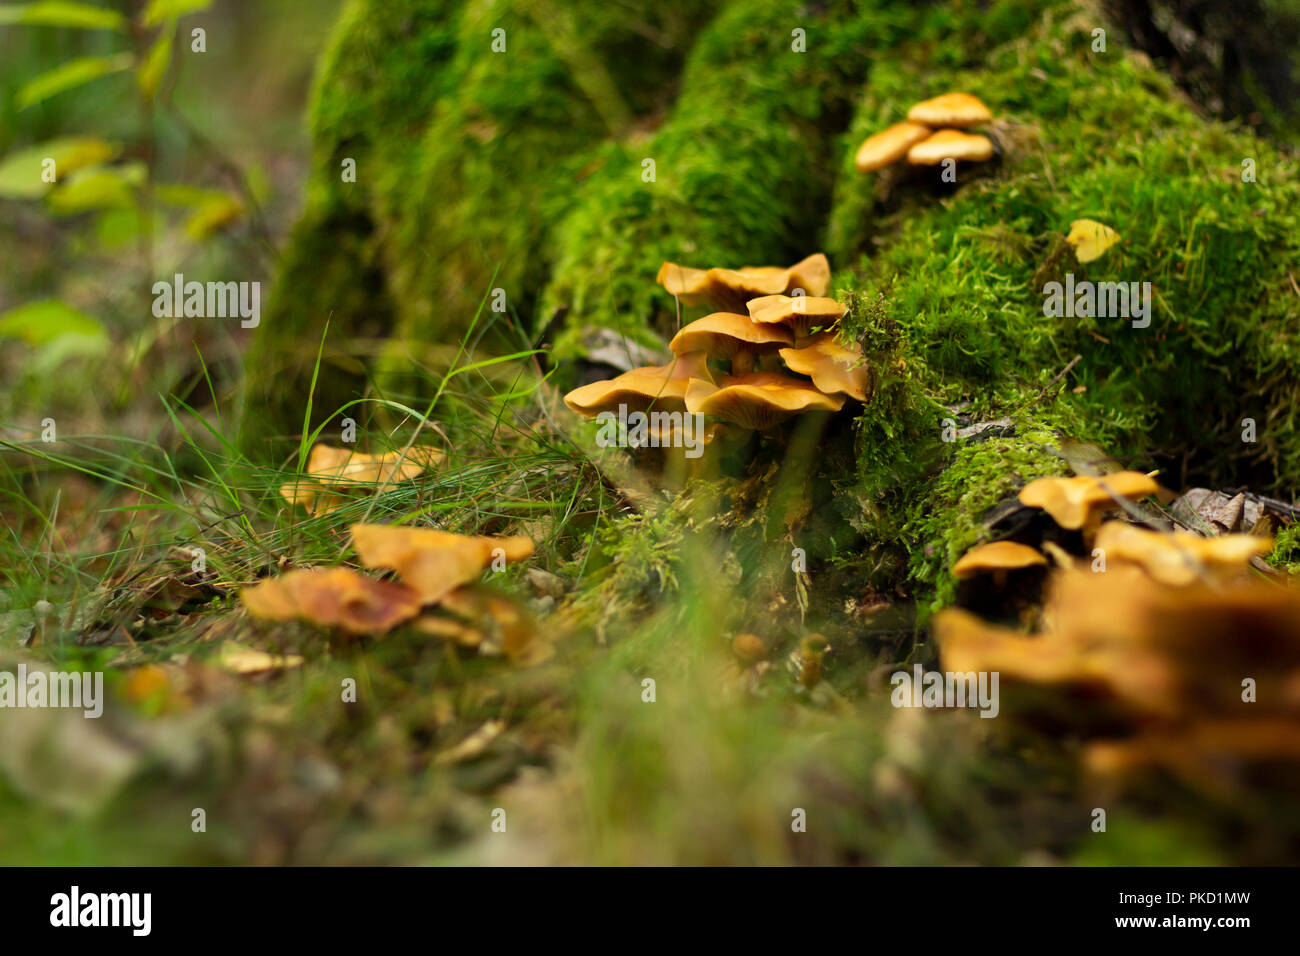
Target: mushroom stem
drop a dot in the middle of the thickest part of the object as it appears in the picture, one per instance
(742, 362)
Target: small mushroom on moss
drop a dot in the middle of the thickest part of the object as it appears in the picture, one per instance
(951, 144)
(832, 367)
(951, 109)
(1178, 558)
(758, 400)
(999, 557)
(800, 313)
(1078, 502)
(730, 289)
(663, 386)
(889, 146)
(729, 335)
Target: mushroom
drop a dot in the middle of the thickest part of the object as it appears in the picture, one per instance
(801, 313)
(950, 109)
(758, 400)
(730, 289)
(950, 144)
(889, 146)
(728, 335)
(998, 557)
(332, 597)
(434, 563)
(661, 385)
(1078, 503)
(967, 643)
(832, 367)
(1178, 558)
(749, 648)
(330, 470)
(1206, 754)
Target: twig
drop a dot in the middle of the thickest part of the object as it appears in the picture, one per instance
(1059, 375)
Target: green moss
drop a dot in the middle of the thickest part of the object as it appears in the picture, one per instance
(948, 518)
(465, 159)
(384, 68)
(742, 165)
(1104, 137)
(501, 157)
(1286, 550)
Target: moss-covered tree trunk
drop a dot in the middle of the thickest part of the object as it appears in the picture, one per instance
(600, 141)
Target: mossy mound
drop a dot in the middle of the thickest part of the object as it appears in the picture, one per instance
(524, 171)
(469, 145)
(1105, 137)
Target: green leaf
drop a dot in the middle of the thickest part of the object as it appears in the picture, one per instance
(40, 322)
(60, 13)
(21, 171)
(157, 60)
(160, 10)
(71, 75)
(180, 194)
(98, 188)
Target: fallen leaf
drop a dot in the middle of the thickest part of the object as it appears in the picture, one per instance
(1091, 239)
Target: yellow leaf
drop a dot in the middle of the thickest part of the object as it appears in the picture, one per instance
(1091, 239)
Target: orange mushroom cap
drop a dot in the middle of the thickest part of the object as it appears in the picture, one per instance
(1072, 502)
(997, 556)
(758, 400)
(1178, 558)
(663, 386)
(950, 109)
(832, 367)
(332, 597)
(434, 563)
(724, 334)
(889, 146)
(730, 289)
(800, 313)
(950, 144)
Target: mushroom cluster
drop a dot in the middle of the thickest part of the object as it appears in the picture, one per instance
(935, 130)
(1161, 648)
(744, 365)
(437, 590)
